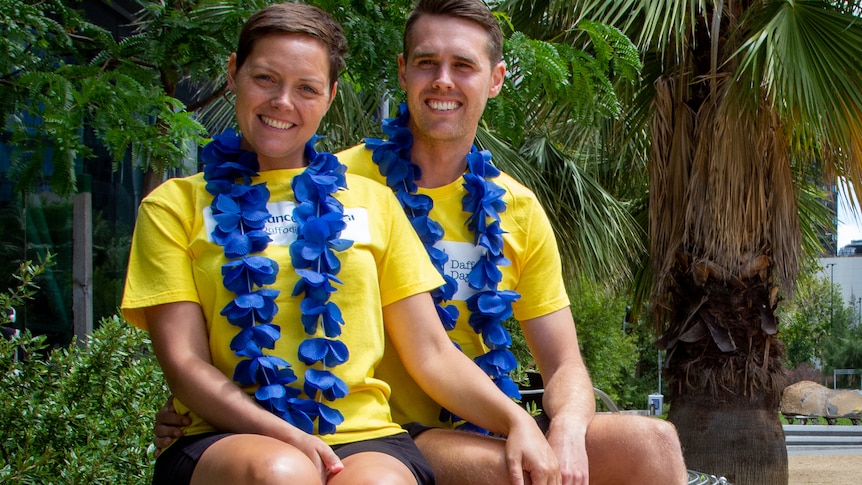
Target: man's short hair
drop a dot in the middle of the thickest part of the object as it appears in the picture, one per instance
(472, 10)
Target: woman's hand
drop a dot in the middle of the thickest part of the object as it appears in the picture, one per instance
(319, 453)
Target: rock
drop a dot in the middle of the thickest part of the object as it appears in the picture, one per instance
(807, 398)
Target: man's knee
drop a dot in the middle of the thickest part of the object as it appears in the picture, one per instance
(459, 457)
(666, 432)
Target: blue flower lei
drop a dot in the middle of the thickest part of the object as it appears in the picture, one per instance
(484, 202)
(240, 212)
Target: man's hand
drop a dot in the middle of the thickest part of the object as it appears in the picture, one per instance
(571, 452)
(168, 427)
(530, 458)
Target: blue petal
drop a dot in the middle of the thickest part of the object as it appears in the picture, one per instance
(272, 391)
(332, 320)
(448, 316)
(325, 381)
(496, 336)
(298, 417)
(497, 362)
(330, 352)
(329, 418)
(508, 386)
(311, 351)
(260, 336)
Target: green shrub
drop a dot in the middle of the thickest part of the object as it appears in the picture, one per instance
(79, 415)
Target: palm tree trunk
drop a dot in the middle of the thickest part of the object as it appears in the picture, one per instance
(736, 437)
(725, 372)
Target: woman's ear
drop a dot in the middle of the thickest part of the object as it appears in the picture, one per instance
(231, 72)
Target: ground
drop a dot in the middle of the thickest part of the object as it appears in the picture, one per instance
(825, 469)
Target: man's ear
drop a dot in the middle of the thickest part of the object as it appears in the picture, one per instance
(498, 75)
(402, 68)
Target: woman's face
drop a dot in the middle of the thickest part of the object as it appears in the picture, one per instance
(282, 92)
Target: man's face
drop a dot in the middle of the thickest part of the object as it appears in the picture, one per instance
(448, 78)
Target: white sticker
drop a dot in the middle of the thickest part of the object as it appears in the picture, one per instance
(282, 228)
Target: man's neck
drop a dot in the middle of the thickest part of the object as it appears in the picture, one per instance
(441, 163)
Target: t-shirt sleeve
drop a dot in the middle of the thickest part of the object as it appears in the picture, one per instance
(541, 284)
(404, 268)
(160, 267)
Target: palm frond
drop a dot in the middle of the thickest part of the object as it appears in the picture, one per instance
(805, 56)
(815, 218)
(596, 235)
(553, 20)
(353, 116)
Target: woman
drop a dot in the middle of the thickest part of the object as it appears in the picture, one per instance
(275, 365)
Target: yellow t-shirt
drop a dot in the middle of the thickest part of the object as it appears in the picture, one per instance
(535, 273)
(174, 259)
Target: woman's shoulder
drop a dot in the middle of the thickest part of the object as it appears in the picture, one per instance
(177, 190)
(190, 182)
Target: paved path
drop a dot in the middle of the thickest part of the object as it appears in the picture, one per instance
(824, 455)
(820, 469)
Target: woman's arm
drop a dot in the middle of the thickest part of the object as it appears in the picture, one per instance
(458, 384)
(181, 344)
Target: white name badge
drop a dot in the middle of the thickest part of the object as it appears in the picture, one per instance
(282, 228)
(462, 257)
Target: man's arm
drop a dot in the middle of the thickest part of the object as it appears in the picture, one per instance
(457, 383)
(169, 426)
(568, 399)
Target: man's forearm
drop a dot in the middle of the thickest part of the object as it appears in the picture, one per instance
(568, 398)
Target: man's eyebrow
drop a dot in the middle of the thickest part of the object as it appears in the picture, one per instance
(432, 54)
(416, 54)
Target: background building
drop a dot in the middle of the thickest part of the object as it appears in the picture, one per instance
(845, 271)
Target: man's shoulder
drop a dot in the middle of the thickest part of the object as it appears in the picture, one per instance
(358, 161)
(355, 156)
(515, 189)
(355, 151)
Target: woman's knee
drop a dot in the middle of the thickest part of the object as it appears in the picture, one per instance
(372, 468)
(279, 467)
(254, 460)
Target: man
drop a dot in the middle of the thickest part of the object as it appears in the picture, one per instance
(451, 65)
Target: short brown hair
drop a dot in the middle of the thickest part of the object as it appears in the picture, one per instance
(472, 10)
(294, 18)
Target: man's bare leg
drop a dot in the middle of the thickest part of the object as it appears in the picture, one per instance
(464, 458)
(621, 449)
(626, 448)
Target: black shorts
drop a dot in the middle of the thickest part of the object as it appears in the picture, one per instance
(176, 464)
(415, 429)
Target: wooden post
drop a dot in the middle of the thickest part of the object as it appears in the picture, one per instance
(82, 264)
